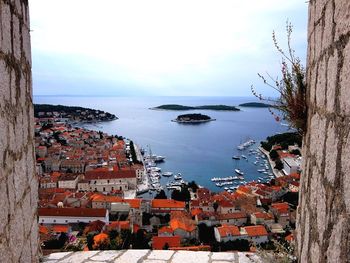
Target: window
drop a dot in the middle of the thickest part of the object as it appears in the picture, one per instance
(107, 181)
(54, 220)
(66, 221)
(104, 189)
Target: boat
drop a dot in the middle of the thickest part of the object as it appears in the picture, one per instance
(261, 170)
(167, 174)
(244, 157)
(238, 171)
(158, 158)
(178, 176)
(236, 157)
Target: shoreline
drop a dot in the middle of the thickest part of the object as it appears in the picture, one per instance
(275, 172)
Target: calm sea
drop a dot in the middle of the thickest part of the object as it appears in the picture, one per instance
(200, 151)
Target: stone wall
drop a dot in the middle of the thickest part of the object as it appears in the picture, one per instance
(323, 223)
(18, 183)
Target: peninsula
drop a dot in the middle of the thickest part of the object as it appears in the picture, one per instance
(255, 105)
(177, 107)
(72, 113)
(193, 118)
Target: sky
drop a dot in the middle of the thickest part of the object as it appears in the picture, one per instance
(160, 47)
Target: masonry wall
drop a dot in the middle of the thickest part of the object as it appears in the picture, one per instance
(18, 183)
(323, 225)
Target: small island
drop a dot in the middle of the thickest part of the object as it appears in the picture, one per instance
(193, 118)
(177, 107)
(255, 105)
(72, 113)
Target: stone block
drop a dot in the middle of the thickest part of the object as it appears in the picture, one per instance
(341, 18)
(78, 257)
(345, 82)
(4, 83)
(321, 83)
(17, 45)
(328, 27)
(190, 257)
(331, 81)
(223, 256)
(132, 256)
(16, 237)
(153, 261)
(57, 256)
(161, 254)
(4, 205)
(6, 28)
(345, 164)
(331, 155)
(108, 255)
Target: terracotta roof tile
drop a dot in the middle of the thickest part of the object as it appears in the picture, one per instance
(254, 231)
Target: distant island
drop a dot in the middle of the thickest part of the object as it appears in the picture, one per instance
(72, 113)
(255, 105)
(177, 107)
(193, 118)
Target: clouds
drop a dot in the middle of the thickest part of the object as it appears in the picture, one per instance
(158, 47)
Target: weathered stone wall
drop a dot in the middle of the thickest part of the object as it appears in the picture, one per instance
(18, 183)
(323, 223)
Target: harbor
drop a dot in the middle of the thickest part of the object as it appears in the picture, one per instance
(250, 155)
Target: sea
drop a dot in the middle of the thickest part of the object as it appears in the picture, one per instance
(198, 151)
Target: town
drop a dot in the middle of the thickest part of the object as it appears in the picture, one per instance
(89, 183)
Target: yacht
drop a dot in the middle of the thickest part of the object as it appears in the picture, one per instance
(236, 157)
(238, 171)
(168, 174)
(178, 176)
(244, 157)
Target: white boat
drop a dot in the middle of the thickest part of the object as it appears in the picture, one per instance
(261, 170)
(244, 157)
(236, 157)
(238, 171)
(178, 176)
(168, 174)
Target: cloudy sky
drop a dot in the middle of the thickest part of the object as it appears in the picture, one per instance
(160, 47)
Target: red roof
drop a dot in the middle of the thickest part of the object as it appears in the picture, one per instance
(254, 231)
(60, 228)
(159, 242)
(228, 230)
(75, 212)
(167, 203)
(106, 174)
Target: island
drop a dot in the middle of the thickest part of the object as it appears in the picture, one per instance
(71, 113)
(193, 118)
(255, 105)
(177, 107)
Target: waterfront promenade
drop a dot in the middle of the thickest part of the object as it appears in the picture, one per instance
(276, 172)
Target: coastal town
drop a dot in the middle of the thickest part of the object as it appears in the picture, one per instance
(90, 186)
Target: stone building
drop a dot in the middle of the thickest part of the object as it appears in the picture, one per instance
(18, 183)
(323, 222)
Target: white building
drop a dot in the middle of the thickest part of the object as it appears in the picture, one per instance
(69, 181)
(108, 181)
(291, 165)
(227, 233)
(71, 215)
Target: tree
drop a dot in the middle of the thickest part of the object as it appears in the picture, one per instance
(295, 152)
(161, 195)
(278, 164)
(273, 154)
(193, 186)
(215, 206)
(90, 240)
